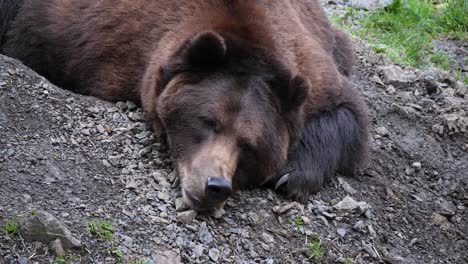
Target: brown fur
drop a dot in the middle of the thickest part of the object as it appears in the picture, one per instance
(136, 50)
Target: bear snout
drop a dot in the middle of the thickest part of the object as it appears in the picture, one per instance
(217, 189)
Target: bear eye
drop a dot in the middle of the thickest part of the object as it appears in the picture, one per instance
(209, 123)
(247, 147)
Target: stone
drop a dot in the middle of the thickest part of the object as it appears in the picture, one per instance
(445, 208)
(284, 209)
(44, 227)
(269, 239)
(358, 226)
(397, 77)
(197, 251)
(461, 89)
(23, 260)
(214, 254)
(382, 131)
(369, 4)
(165, 257)
(346, 186)
(204, 235)
(341, 232)
(57, 248)
(186, 217)
(347, 204)
(416, 165)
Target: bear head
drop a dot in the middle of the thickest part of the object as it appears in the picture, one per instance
(230, 111)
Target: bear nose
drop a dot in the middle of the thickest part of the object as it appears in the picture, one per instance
(218, 189)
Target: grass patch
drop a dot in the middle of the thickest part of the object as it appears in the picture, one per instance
(317, 252)
(102, 229)
(405, 29)
(116, 252)
(66, 259)
(299, 221)
(10, 228)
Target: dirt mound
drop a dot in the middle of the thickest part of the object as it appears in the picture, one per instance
(81, 159)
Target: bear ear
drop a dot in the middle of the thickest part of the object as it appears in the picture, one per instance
(207, 49)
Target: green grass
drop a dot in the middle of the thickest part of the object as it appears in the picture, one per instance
(10, 228)
(102, 229)
(405, 29)
(66, 259)
(299, 221)
(116, 252)
(317, 252)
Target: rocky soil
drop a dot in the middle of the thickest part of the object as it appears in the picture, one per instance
(67, 160)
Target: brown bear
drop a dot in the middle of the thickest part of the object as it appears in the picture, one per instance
(245, 92)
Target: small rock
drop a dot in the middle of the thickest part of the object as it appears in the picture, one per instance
(382, 131)
(23, 260)
(461, 89)
(269, 239)
(121, 105)
(204, 234)
(391, 89)
(218, 213)
(346, 186)
(416, 165)
(27, 198)
(358, 226)
(284, 209)
(214, 254)
(152, 195)
(376, 79)
(57, 248)
(131, 105)
(180, 204)
(197, 251)
(165, 257)
(445, 208)
(164, 196)
(347, 204)
(395, 76)
(341, 232)
(186, 217)
(44, 227)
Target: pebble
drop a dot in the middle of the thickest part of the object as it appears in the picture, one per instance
(417, 165)
(269, 239)
(284, 209)
(57, 248)
(204, 235)
(445, 208)
(23, 260)
(214, 254)
(341, 232)
(347, 204)
(186, 217)
(44, 227)
(382, 131)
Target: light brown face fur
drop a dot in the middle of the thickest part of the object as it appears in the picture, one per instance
(217, 157)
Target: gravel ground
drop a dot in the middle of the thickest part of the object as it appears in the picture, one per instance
(80, 159)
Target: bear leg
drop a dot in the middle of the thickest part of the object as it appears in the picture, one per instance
(332, 141)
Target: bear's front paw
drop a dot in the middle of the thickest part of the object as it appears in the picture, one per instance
(298, 184)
